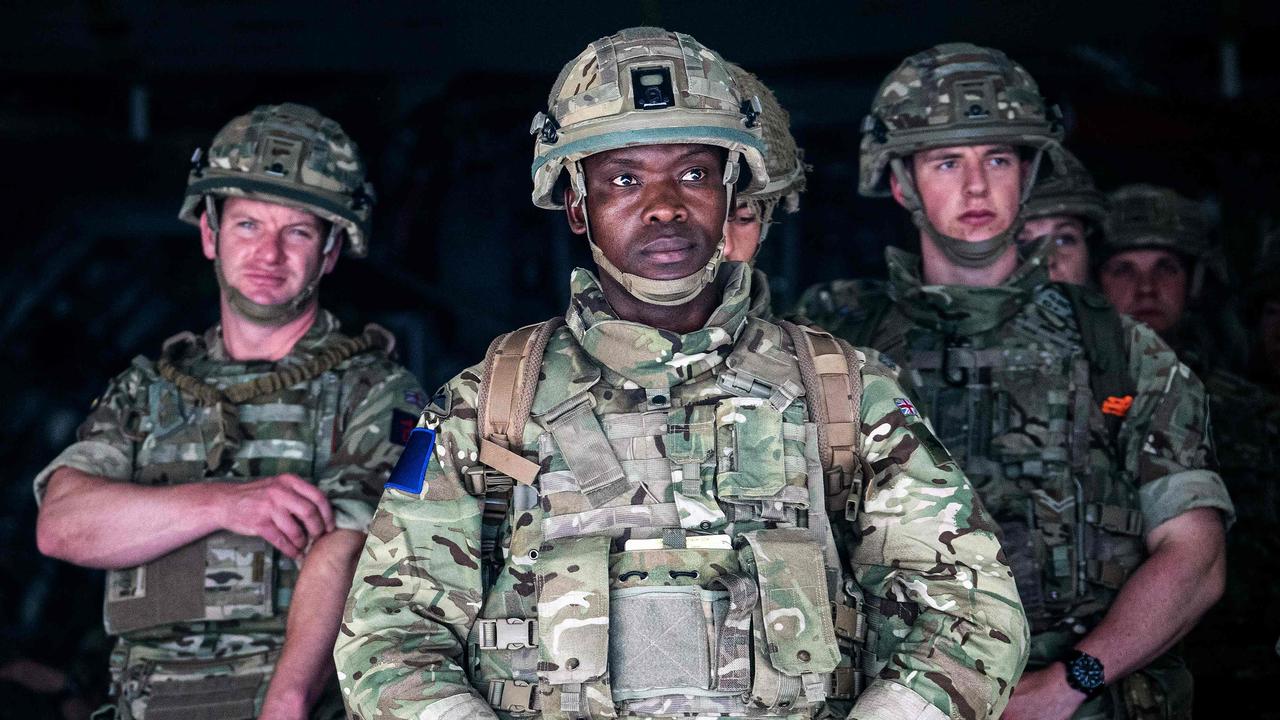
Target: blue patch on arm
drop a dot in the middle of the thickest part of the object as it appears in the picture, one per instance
(410, 473)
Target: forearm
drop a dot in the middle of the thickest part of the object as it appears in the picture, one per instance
(306, 661)
(98, 522)
(1164, 598)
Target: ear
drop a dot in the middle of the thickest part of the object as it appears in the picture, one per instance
(575, 212)
(895, 189)
(208, 238)
(331, 257)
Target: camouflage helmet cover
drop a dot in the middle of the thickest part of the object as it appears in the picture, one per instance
(288, 154)
(1148, 216)
(1068, 191)
(782, 158)
(643, 86)
(952, 94)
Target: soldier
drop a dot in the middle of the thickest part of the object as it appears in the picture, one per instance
(1083, 434)
(1066, 210)
(204, 479)
(753, 214)
(660, 505)
(1159, 266)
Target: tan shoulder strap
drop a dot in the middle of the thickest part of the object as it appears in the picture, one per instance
(832, 375)
(507, 389)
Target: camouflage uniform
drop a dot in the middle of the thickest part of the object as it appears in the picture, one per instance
(949, 628)
(678, 541)
(200, 628)
(1080, 429)
(1231, 649)
(343, 429)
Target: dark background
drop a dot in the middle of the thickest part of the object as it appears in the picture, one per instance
(103, 102)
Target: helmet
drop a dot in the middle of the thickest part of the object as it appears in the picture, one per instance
(1069, 191)
(291, 155)
(1149, 216)
(783, 160)
(645, 86)
(288, 154)
(953, 94)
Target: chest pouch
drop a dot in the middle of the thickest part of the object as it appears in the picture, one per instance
(761, 468)
(573, 628)
(221, 577)
(793, 635)
(189, 689)
(690, 444)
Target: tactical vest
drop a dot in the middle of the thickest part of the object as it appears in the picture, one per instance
(1032, 416)
(230, 422)
(734, 598)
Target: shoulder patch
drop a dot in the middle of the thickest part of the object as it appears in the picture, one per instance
(441, 403)
(410, 473)
(402, 425)
(906, 407)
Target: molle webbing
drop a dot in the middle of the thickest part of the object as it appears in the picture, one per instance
(226, 400)
(832, 373)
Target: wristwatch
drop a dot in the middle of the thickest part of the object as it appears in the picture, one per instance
(1084, 673)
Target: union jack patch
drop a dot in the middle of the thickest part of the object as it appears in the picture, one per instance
(905, 407)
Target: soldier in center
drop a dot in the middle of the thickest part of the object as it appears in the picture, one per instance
(660, 505)
(1081, 431)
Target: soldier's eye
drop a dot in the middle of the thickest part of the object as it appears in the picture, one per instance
(694, 175)
(625, 180)
(1065, 240)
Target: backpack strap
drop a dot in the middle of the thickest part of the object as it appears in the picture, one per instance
(1102, 334)
(832, 375)
(507, 388)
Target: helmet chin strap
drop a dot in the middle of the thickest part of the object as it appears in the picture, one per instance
(270, 315)
(677, 291)
(964, 253)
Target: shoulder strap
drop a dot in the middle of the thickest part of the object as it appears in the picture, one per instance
(1103, 337)
(832, 375)
(508, 385)
(507, 389)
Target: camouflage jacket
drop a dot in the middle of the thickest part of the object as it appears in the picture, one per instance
(343, 430)
(950, 635)
(1074, 480)
(761, 305)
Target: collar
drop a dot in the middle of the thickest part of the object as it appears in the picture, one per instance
(648, 356)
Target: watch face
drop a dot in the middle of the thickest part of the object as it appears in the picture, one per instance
(1086, 671)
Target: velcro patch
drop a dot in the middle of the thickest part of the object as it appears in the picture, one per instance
(402, 423)
(410, 473)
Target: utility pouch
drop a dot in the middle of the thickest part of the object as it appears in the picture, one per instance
(220, 577)
(792, 631)
(1160, 691)
(208, 689)
(573, 627)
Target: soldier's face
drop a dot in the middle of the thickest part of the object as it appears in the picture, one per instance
(269, 252)
(656, 211)
(1069, 262)
(970, 192)
(742, 233)
(1149, 284)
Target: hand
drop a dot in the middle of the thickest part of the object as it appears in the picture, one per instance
(1044, 695)
(284, 510)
